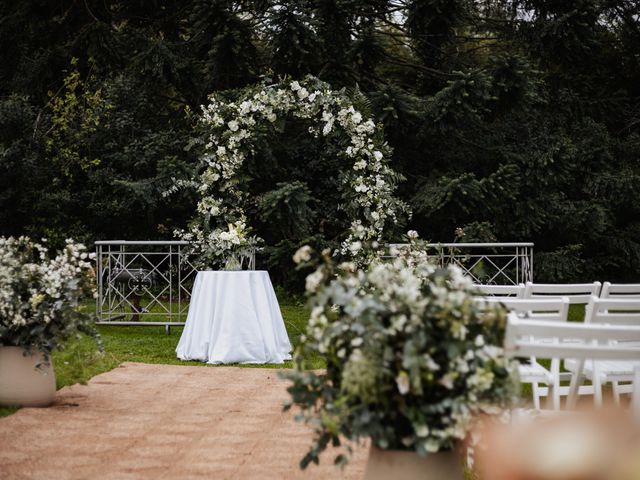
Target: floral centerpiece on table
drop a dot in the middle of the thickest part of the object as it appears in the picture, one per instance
(40, 294)
(223, 248)
(411, 359)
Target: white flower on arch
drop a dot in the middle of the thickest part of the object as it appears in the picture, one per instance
(231, 126)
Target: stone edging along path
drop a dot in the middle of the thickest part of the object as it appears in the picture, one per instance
(142, 421)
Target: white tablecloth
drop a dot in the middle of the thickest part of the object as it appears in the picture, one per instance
(234, 317)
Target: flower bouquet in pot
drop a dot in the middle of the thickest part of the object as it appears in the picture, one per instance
(40, 297)
(410, 361)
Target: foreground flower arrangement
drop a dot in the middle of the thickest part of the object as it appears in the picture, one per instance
(411, 359)
(40, 295)
(219, 228)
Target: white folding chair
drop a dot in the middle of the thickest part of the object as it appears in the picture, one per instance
(620, 290)
(508, 291)
(610, 311)
(549, 309)
(556, 340)
(577, 293)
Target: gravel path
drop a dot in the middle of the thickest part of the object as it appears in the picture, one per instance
(144, 421)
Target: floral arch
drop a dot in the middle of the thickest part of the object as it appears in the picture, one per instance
(220, 228)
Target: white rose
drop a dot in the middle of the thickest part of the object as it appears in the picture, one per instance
(313, 281)
(402, 381)
(302, 255)
(233, 125)
(412, 234)
(355, 247)
(377, 155)
(359, 165)
(356, 117)
(245, 107)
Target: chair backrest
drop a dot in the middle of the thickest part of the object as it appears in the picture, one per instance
(613, 311)
(550, 309)
(516, 291)
(577, 293)
(581, 341)
(576, 340)
(620, 290)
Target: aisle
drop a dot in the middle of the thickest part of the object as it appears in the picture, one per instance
(165, 422)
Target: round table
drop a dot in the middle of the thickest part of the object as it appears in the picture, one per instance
(234, 317)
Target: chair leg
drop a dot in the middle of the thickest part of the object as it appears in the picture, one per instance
(553, 397)
(615, 387)
(553, 400)
(536, 395)
(635, 395)
(574, 387)
(550, 402)
(597, 387)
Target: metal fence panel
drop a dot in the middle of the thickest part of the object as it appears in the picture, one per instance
(149, 282)
(143, 282)
(487, 263)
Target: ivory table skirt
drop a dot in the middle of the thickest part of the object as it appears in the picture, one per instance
(234, 317)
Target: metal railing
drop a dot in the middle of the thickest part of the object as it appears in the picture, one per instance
(143, 282)
(150, 282)
(487, 263)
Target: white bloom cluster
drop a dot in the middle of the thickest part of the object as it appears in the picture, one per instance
(232, 125)
(38, 290)
(221, 243)
(302, 255)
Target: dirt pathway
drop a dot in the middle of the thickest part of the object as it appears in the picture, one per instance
(165, 422)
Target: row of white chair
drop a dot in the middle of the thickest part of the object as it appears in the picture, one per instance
(548, 309)
(624, 312)
(577, 293)
(580, 343)
(611, 311)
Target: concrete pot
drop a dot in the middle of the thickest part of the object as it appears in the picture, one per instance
(405, 465)
(25, 380)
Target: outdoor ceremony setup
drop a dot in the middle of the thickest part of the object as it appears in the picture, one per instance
(337, 239)
(417, 339)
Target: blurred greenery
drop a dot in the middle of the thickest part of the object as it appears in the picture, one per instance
(514, 120)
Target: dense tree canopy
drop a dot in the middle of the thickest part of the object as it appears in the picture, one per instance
(511, 120)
